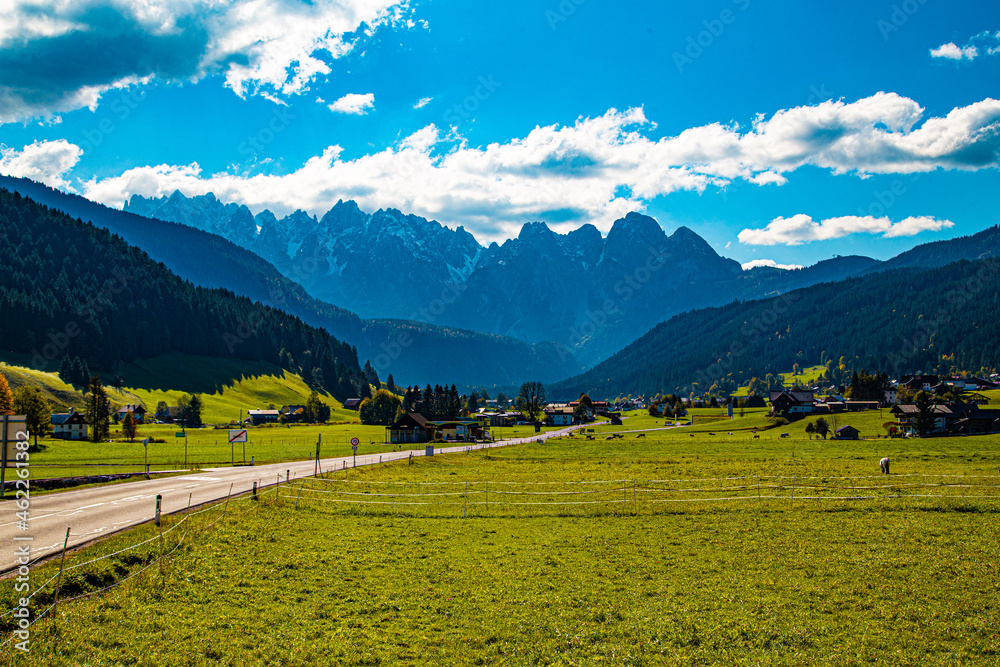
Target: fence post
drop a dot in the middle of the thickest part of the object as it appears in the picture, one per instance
(465, 502)
(791, 499)
(189, 501)
(62, 561)
(226, 508)
(255, 490)
(635, 500)
(299, 496)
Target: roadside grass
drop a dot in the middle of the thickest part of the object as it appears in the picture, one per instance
(902, 582)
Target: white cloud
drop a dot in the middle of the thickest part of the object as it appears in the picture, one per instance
(424, 101)
(354, 103)
(44, 161)
(985, 43)
(275, 48)
(801, 228)
(576, 173)
(771, 264)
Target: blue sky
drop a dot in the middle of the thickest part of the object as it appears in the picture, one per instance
(776, 131)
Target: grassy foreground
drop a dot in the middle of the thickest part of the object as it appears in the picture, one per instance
(901, 581)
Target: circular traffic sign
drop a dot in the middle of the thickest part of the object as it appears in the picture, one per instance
(355, 441)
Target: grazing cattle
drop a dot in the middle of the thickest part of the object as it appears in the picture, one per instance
(756, 437)
(641, 435)
(884, 465)
(784, 435)
(610, 437)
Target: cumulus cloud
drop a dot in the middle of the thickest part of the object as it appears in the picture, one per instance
(770, 263)
(984, 44)
(44, 161)
(59, 56)
(801, 228)
(354, 103)
(596, 169)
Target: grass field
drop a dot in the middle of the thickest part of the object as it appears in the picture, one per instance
(901, 581)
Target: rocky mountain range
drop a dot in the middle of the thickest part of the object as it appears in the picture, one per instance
(586, 295)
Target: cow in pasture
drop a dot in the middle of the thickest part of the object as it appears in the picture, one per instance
(883, 465)
(756, 437)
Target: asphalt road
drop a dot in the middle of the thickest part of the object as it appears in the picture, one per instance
(97, 511)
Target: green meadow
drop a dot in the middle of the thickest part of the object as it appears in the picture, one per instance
(560, 553)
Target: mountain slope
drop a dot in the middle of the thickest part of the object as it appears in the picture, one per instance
(208, 260)
(898, 322)
(72, 289)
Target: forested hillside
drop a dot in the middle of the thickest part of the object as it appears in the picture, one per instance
(897, 322)
(69, 288)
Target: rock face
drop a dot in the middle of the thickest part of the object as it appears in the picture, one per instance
(588, 295)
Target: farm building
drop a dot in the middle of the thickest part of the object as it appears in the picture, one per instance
(414, 427)
(258, 417)
(847, 433)
(138, 413)
(70, 425)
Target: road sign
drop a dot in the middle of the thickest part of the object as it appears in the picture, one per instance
(355, 442)
(237, 435)
(180, 434)
(354, 447)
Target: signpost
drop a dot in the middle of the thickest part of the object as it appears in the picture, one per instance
(237, 435)
(145, 454)
(354, 446)
(13, 427)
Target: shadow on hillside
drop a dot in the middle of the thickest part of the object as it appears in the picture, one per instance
(194, 375)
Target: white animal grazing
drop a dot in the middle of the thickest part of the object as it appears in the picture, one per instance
(884, 465)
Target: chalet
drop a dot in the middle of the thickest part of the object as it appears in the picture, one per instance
(292, 414)
(858, 406)
(918, 382)
(562, 416)
(906, 416)
(601, 408)
(138, 413)
(169, 415)
(353, 404)
(891, 395)
(70, 425)
(415, 428)
(847, 433)
(797, 403)
(973, 420)
(258, 417)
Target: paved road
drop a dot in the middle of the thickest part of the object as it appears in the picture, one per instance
(98, 511)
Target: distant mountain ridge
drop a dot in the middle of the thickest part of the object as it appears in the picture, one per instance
(589, 295)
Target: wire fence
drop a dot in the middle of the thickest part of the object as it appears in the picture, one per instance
(631, 496)
(85, 579)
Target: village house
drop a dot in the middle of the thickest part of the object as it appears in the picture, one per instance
(138, 413)
(918, 382)
(792, 402)
(292, 414)
(561, 416)
(415, 428)
(258, 417)
(70, 425)
(352, 404)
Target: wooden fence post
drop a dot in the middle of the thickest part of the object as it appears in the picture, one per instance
(62, 562)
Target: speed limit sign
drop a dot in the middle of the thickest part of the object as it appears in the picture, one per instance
(355, 442)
